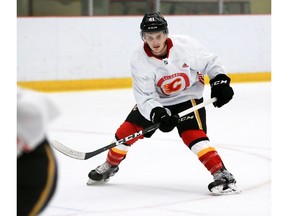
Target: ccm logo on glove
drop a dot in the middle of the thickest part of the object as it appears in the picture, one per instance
(221, 89)
(220, 82)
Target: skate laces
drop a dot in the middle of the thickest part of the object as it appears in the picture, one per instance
(105, 167)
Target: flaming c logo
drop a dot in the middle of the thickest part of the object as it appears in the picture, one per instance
(173, 86)
(173, 83)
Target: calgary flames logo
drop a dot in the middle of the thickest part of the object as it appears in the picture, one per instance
(174, 86)
(173, 83)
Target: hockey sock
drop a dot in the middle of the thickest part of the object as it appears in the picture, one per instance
(199, 143)
(118, 153)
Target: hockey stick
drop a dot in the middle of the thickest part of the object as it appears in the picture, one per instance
(86, 155)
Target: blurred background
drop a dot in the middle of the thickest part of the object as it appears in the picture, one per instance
(65, 45)
(139, 7)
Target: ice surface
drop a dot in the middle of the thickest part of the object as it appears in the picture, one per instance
(160, 176)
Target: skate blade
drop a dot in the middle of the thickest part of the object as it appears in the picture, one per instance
(93, 182)
(232, 189)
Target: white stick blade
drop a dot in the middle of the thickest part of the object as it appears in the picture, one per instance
(67, 151)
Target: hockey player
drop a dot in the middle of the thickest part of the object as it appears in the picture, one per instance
(36, 164)
(168, 78)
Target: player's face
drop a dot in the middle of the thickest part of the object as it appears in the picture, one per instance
(156, 41)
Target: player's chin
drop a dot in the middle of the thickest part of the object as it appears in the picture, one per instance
(156, 49)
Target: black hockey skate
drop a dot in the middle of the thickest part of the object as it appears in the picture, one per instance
(224, 183)
(102, 174)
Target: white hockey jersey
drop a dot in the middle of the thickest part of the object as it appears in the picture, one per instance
(34, 112)
(175, 79)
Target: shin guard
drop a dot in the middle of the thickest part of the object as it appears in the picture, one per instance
(199, 143)
(118, 153)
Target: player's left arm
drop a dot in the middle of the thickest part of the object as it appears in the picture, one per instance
(219, 81)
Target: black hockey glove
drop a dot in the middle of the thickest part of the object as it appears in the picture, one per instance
(221, 89)
(167, 122)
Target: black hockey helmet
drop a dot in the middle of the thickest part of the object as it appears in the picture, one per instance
(152, 22)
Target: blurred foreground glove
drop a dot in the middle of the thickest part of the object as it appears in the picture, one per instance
(167, 122)
(221, 89)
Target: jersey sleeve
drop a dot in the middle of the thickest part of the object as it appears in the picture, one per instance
(205, 61)
(211, 64)
(144, 89)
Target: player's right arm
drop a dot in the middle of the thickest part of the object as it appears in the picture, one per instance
(145, 93)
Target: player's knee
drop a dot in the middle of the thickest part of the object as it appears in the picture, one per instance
(126, 129)
(191, 137)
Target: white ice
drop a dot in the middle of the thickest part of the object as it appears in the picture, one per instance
(161, 176)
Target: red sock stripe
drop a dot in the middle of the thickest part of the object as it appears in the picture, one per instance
(114, 158)
(212, 161)
(190, 137)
